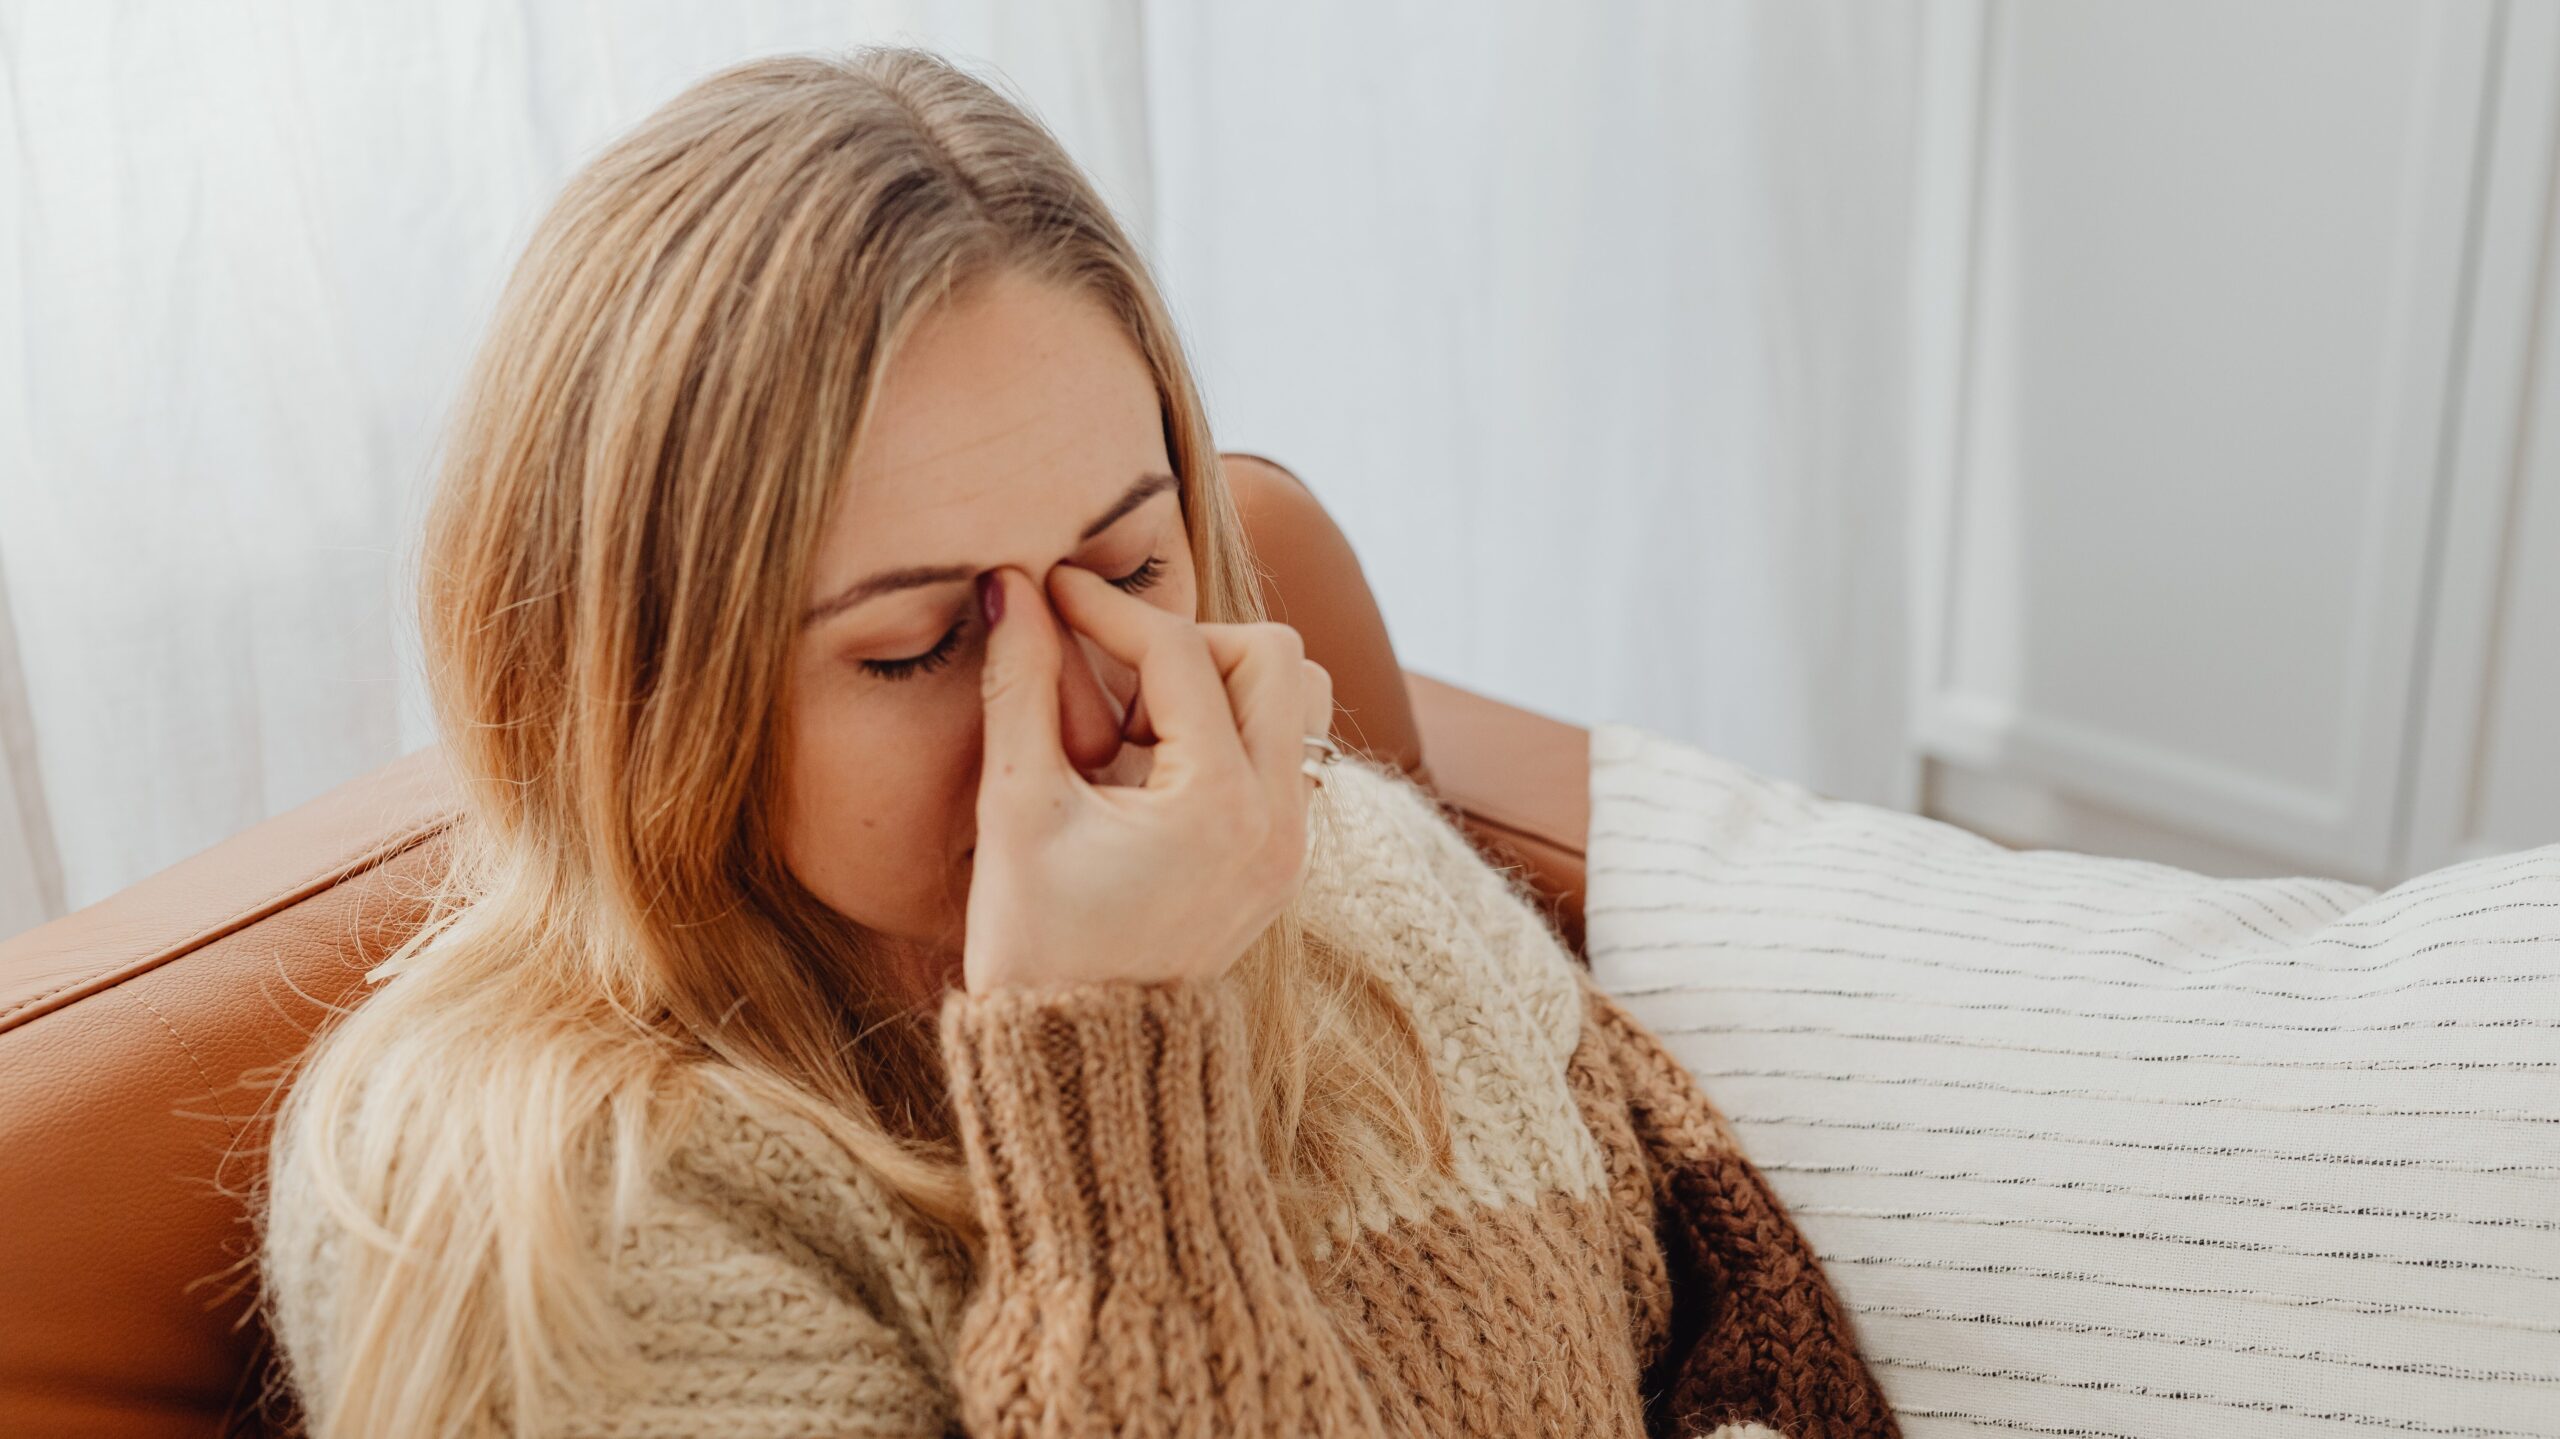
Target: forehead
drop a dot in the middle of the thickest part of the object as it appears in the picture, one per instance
(1013, 412)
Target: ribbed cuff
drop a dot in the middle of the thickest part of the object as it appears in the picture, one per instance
(1109, 1127)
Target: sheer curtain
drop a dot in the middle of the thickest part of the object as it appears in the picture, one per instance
(247, 250)
(1583, 319)
(1589, 323)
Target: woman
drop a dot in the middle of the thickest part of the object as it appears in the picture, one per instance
(901, 969)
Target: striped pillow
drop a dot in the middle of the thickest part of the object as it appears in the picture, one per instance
(2096, 1147)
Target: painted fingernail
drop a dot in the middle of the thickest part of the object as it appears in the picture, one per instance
(991, 597)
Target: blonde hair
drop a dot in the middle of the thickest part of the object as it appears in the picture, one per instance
(657, 423)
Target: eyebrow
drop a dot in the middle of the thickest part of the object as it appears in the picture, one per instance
(1146, 488)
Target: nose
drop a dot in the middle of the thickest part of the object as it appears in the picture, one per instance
(1094, 694)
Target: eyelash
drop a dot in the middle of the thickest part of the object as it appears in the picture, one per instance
(1144, 577)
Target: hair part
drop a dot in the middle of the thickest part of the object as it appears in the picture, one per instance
(658, 421)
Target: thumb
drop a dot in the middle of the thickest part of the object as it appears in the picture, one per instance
(1018, 684)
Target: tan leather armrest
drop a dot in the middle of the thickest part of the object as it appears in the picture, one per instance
(1522, 782)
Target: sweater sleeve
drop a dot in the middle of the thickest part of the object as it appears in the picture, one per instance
(1138, 1277)
(1755, 1341)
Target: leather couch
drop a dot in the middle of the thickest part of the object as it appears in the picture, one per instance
(139, 1037)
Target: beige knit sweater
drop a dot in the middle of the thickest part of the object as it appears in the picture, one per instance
(1603, 1262)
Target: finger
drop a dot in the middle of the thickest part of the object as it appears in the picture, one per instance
(1018, 691)
(1134, 728)
(1269, 687)
(1181, 681)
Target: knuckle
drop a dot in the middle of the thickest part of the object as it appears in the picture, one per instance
(1284, 640)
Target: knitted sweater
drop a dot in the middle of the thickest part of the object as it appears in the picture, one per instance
(1602, 1260)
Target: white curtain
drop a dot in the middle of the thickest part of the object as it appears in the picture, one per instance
(1585, 320)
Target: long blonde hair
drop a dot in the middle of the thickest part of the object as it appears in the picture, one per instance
(659, 419)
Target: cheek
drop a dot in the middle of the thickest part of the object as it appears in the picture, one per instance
(881, 802)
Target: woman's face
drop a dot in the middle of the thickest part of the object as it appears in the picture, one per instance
(1019, 425)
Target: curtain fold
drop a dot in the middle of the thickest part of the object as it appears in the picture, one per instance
(1567, 312)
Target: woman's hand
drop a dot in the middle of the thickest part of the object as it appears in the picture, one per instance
(1171, 880)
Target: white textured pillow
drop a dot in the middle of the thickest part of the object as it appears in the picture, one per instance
(2096, 1147)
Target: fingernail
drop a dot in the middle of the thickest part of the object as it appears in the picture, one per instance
(991, 598)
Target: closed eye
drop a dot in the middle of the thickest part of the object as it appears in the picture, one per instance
(931, 660)
(1145, 577)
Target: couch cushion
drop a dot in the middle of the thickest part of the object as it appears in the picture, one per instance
(2100, 1147)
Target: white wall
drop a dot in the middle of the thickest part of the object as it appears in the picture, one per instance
(2235, 545)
